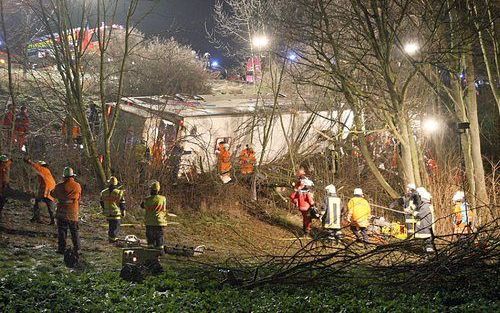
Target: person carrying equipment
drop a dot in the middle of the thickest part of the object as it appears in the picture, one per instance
(332, 211)
(303, 199)
(46, 183)
(425, 219)
(68, 195)
(359, 213)
(247, 160)
(155, 216)
(463, 216)
(5, 165)
(113, 207)
(410, 201)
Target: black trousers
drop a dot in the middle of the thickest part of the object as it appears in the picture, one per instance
(154, 236)
(51, 206)
(114, 229)
(363, 233)
(62, 234)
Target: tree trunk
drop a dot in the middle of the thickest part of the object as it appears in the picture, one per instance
(460, 111)
(369, 160)
(406, 157)
(475, 144)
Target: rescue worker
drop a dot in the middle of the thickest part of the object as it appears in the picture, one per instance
(224, 161)
(71, 131)
(113, 207)
(22, 127)
(303, 199)
(5, 165)
(247, 160)
(8, 119)
(425, 219)
(155, 216)
(359, 213)
(46, 183)
(463, 216)
(410, 201)
(68, 195)
(332, 212)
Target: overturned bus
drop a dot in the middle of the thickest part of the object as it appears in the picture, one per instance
(197, 124)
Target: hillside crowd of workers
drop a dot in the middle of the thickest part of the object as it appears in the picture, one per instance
(63, 204)
(416, 203)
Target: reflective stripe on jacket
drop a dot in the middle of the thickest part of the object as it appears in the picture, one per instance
(224, 160)
(68, 195)
(111, 203)
(156, 210)
(247, 161)
(425, 216)
(359, 212)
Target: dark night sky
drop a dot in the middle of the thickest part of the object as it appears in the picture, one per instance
(183, 19)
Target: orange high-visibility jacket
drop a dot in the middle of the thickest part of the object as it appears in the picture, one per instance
(46, 181)
(463, 218)
(4, 175)
(247, 161)
(68, 195)
(224, 160)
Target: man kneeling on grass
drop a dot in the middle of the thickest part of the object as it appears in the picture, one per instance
(156, 216)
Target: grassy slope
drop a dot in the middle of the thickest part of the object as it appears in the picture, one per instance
(33, 278)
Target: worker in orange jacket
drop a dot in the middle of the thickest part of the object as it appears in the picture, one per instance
(247, 160)
(224, 157)
(5, 165)
(46, 183)
(22, 128)
(68, 195)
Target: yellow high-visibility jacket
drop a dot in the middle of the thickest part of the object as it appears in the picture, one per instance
(359, 212)
(112, 200)
(156, 210)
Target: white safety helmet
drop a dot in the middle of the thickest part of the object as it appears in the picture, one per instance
(421, 190)
(331, 189)
(424, 194)
(358, 192)
(458, 196)
(307, 182)
(226, 146)
(411, 186)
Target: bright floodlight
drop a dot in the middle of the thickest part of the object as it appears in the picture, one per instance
(292, 56)
(260, 41)
(215, 64)
(430, 125)
(411, 48)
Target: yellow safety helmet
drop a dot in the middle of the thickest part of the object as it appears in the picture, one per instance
(113, 181)
(155, 186)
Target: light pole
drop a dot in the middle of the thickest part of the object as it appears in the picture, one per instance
(259, 42)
